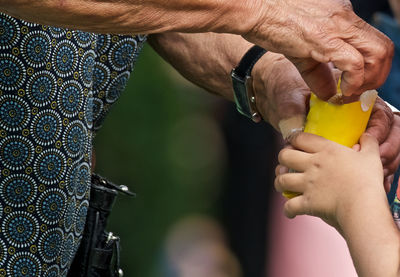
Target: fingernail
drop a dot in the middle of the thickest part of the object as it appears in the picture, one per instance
(367, 99)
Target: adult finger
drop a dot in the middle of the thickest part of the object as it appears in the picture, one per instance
(391, 168)
(353, 72)
(378, 54)
(372, 78)
(294, 159)
(293, 182)
(381, 121)
(318, 76)
(390, 148)
(376, 51)
(347, 59)
(294, 207)
(388, 183)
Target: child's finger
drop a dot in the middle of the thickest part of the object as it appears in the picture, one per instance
(294, 207)
(356, 147)
(369, 143)
(294, 159)
(309, 142)
(281, 169)
(293, 182)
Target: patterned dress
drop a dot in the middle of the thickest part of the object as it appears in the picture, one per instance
(56, 86)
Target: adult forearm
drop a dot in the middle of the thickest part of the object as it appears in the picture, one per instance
(205, 59)
(312, 32)
(138, 16)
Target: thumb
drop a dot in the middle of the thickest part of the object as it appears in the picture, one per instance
(356, 147)
(369, 144)
(318, 76)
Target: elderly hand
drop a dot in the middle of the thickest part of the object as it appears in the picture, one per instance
(386, 128)
(312, 33)
(281, 94)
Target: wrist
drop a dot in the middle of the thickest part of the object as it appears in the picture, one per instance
(280, 93)
(262, 85)
(360, 206)
(242, 83)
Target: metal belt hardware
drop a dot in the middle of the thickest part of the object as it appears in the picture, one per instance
(99, 252)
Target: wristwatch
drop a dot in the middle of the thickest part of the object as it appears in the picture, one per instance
(242, 83)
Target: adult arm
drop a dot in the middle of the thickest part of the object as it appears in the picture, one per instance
(207, 59)
(310, 32)
(281, 94)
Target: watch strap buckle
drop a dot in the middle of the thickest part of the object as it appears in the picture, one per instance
(245, 98)
(242, 83)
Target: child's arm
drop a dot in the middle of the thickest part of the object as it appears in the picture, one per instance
(344, 187)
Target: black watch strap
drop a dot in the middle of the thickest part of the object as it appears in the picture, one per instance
(241, 81)
(248, 61)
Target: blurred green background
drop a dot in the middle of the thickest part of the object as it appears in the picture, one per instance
(162, 141)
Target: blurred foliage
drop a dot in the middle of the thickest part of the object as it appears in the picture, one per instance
(161, 141)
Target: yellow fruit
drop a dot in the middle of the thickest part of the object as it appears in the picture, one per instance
(343, 123)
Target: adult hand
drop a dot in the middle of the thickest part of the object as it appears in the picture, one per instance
(386, 128)
(281, 94)
(312, 33)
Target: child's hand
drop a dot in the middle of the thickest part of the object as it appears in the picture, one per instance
(330, 177)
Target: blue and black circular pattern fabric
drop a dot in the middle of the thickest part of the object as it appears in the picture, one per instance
(24, 264)
(9, 32)
(14, 113)
(41, 88)
(50, 245)
(16, 153)
(12, 72)
(20, 228)
(18, 190)
(36, 48)
(56, 87)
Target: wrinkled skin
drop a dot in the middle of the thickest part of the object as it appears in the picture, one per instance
(282, 93)
(312, 33)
